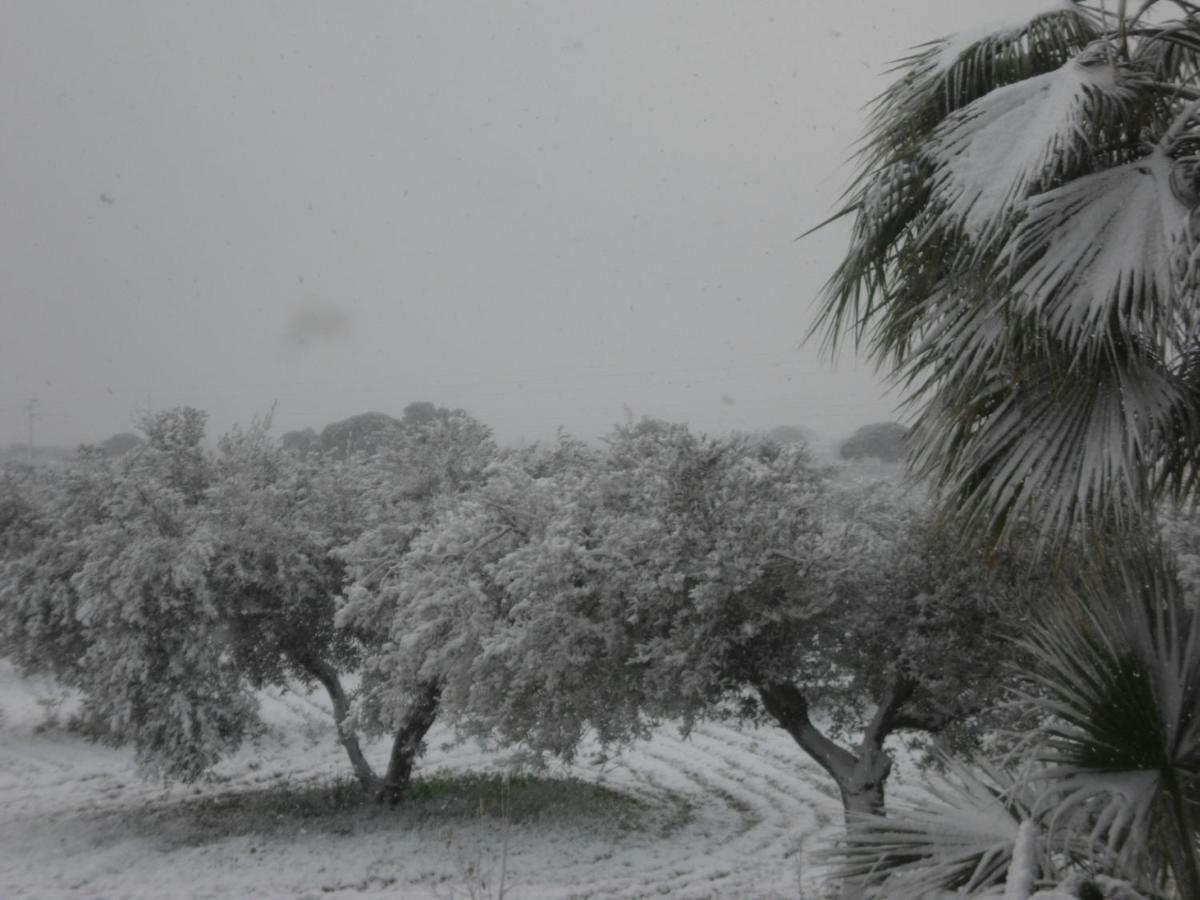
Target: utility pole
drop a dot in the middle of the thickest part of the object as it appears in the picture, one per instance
(31, 414)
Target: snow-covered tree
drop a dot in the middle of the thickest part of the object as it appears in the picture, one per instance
(914, 637)
(114, 599)
(457, 633)
(521, 607)
(169, 585)
(276, 519)
(668, 575)
(1023, 255)
(362, 433)
(883, 441)
(22, 491)
(37, 629)
(427, 465)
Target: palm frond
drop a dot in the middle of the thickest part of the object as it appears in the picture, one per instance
(1022, 137)
(1171, 51)
(960, 838)
(892, 186)
(1118, 675)
(1024, 430)
(1022, 258)
(1099, 249)
(1178, 462)
(861, 285)
(946, 74)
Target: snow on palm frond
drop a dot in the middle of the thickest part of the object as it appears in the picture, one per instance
(1033, 36)
(892, 187)
(1019, 18)
(1022, 219)
(1098, 248)
(959, 838)
(1017, 139)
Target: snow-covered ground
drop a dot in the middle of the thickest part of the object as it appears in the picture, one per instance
(727, 813)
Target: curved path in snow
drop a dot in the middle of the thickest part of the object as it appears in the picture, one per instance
(727, 813)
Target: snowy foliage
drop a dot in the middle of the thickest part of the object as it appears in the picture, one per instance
(276, 518)
(578, 589)
(918, 602)
(113, 598)
(530, 596)
(167, 585)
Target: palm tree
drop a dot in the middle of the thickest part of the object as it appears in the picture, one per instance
(1025, 256)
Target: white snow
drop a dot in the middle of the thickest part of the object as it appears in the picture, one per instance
(1015, 18)
(1096, 241)
(728, 813)
(992, 151)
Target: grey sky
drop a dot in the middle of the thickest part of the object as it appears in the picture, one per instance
(547, 213)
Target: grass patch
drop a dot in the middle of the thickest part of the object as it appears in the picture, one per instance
(314, 800)
(336, 807)
(437, 799)
(530, 798)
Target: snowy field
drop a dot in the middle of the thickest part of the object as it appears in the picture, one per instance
(728, 813)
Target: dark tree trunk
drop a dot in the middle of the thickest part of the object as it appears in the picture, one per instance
(328, 676)
(407, 745)
(860, 774)
(863, 791)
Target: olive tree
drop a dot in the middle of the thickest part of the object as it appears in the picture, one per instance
(171, 584)
(581, 591)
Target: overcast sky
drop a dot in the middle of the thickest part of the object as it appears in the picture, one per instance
(555, 213)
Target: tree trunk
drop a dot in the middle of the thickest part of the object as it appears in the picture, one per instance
(863, 790)
(863, 794)
(858, 779)
(860, 776)
(407, 745)
(328, 676)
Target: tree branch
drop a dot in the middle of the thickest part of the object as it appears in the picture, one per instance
(883, 723)
(332, 682)
(789, 707)
(933, 722)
